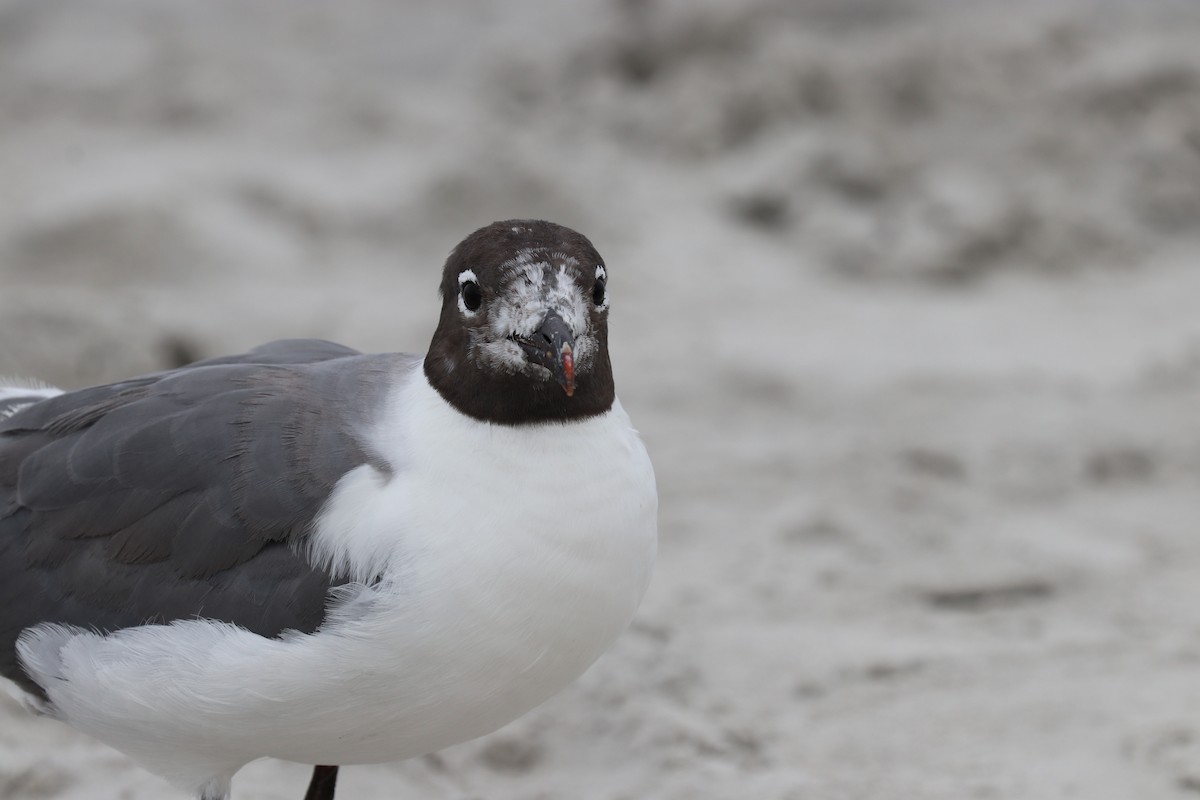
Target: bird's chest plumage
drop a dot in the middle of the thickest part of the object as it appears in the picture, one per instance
(512, 559)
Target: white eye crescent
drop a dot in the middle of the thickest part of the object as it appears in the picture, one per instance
(470, 296)
(600, 289)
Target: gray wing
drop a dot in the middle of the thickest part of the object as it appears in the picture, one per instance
(182, 494)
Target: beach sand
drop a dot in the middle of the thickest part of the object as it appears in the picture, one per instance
(904, 305)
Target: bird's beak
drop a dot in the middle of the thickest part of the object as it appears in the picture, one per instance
(553, 347)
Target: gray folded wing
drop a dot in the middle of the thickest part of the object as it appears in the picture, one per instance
(182, 494)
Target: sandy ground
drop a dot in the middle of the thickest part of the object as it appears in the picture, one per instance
(904, 304)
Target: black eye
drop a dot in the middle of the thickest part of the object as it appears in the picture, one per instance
(472, 297)
(598, 296)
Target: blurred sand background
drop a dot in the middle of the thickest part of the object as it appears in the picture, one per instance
(904, 302)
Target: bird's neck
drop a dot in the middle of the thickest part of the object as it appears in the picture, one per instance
(517, 399)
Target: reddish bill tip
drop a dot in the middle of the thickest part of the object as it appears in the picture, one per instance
(568, 365)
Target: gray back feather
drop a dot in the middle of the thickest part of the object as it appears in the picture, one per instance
(184, 493)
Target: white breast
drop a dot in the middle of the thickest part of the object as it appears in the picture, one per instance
(496, 564)
(510, 559)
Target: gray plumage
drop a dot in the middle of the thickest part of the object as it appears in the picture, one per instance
(182, 494)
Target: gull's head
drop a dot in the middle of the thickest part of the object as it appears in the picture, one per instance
(523, 333)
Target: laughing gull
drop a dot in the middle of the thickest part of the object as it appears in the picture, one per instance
(326, 557)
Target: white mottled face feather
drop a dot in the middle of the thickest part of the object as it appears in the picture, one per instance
(534, 283)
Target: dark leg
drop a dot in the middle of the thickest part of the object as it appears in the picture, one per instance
(323, 783)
